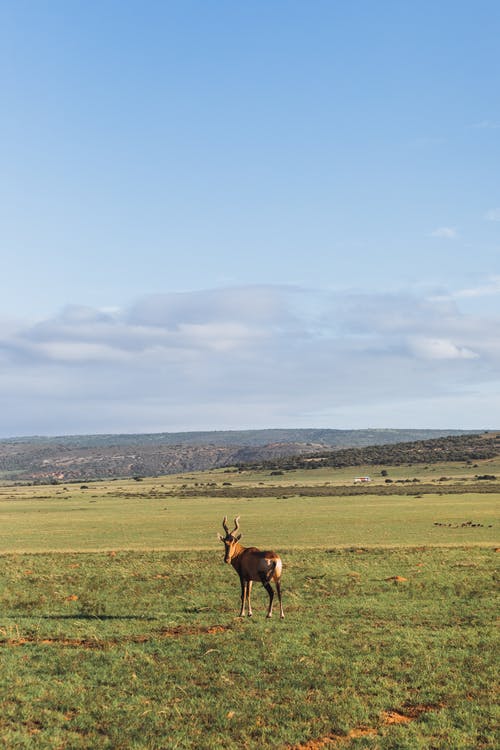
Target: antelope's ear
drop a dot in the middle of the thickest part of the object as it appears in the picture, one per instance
(221, 538)
(239, 537)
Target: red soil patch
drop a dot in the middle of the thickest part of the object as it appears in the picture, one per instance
(88, 643)
(180, 630)
(335, 740)
(406, 715)
(394, 717)
(72, 642)
(361, 733)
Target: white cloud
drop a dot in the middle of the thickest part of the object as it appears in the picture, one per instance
(483, 290)
(431, 348)
(447, 233)
(79, 351)
(254, 356)
(493, 214)
(220, 337)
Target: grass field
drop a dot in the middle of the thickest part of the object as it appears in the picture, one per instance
(145, 515)
(118, 624)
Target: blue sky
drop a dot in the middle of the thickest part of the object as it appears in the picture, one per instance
(231, 215)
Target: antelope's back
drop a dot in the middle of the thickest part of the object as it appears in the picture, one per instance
(258, 562)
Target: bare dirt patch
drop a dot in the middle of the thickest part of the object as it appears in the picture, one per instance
(96, 643)
(408, 713)
(405, 715)
(394, 717)
(335, 740)
(180, 630)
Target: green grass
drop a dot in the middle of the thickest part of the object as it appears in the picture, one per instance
(108, 516)
(151, 654)
(141, 647)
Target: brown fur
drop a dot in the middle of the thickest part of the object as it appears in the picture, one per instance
(252, 564)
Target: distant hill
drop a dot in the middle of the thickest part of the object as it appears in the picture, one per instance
(323, 437)
(463, 448)
(86, 457)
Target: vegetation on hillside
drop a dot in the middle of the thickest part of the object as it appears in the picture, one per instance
(464, 448)
(232, 438)
(88, 457)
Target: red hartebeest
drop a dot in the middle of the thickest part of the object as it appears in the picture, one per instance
(252, 564)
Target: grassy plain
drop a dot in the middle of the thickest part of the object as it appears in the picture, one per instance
(154, 513)
(118, 624)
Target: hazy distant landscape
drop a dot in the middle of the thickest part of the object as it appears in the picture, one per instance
(85, 457)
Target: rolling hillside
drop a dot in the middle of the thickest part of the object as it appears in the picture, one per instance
(463, 448)
(86, 457)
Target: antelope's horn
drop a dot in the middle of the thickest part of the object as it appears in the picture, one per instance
(236, 524)
(224, 525)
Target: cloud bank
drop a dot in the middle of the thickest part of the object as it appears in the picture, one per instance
(260, 356)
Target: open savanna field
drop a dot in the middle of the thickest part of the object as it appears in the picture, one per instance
(119, 627)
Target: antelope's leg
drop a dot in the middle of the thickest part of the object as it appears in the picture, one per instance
(243, 596)
(269, 589)
(278, 589)
(249, 591)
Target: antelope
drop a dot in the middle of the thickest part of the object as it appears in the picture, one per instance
(252, 564)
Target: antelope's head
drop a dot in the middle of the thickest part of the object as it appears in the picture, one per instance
(230, 541)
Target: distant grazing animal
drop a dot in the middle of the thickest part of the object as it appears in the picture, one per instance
(252, 564)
